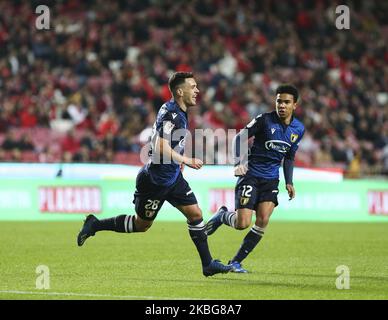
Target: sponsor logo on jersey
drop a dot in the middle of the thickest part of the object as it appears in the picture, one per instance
(182, 143)
(174, 115)
(294, 137)
(277, 145)
(273, 130)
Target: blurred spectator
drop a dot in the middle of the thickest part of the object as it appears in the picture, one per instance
(28, 118)
(67, 157)
(108, 124)
(49, 155)
(3, 122)
(70, 143)
(83, 155)
(25, 143)
(16, 155)
(2, 155)
(10, 142)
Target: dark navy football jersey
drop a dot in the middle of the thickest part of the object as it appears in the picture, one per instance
(273, 142)
(171, 124)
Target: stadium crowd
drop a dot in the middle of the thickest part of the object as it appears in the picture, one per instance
(88, 89)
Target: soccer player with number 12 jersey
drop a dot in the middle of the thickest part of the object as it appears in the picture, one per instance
(276, 137)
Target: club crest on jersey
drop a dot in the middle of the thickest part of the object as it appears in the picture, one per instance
(294, 137)
(244, 201)
(167, 127)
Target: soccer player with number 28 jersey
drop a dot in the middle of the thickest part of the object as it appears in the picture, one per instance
(276, 137)
(162, 180)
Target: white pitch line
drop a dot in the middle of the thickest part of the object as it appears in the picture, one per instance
(95, 295)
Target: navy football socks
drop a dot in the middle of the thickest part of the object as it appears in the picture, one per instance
(229, 218)
(122, 223)
(199, 237)
(249, 243)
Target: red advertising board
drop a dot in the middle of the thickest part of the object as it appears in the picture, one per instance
(378, 202)
(70, 199)
(221, 197)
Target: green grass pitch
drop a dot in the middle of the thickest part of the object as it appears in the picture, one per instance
(293, 261)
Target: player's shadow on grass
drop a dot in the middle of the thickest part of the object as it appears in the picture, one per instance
(358, 277)
(275, 283)
(244, 280)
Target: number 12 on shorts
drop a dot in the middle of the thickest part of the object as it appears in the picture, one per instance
(246, 192)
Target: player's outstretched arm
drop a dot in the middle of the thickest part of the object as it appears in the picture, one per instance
(163, 147)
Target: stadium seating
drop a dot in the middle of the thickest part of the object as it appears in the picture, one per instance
(106, 72)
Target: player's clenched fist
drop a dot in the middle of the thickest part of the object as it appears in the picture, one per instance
(194, 163)
(291, 191)
(240, 170)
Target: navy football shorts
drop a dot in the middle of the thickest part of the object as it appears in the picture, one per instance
(149, 197)
(250, 191)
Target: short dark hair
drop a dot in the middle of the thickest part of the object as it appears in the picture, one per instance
(177, 79)
(290, 89)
